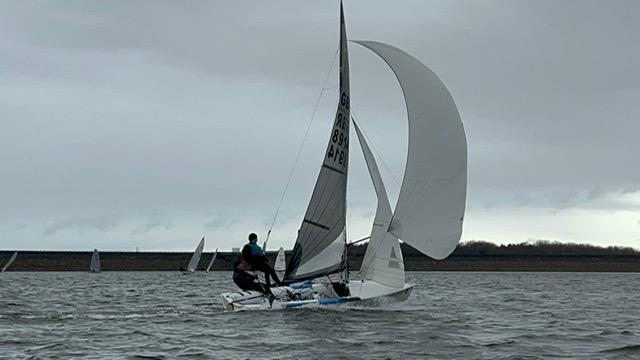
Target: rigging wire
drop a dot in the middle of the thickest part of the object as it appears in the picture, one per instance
(304, 140)
(353, 117)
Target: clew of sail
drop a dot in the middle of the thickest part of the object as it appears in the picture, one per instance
(95, 261)
(195, 258)
(11, 260)
(382, 261)
(430, 209)
(213, 258)
(320, 246)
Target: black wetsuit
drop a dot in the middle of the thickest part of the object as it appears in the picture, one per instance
(252, 254)
(246, 281)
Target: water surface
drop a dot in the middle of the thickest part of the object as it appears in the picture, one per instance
(456, 315)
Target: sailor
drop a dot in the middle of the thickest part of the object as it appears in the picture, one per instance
(252, 253)
(246, 280)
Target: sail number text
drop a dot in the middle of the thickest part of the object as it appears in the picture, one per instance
(339, 145)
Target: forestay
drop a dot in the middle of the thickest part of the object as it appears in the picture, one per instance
(382, 261)
(430, 208)
(195, 258)
(320, 245)
(11, 260)
(95, 261)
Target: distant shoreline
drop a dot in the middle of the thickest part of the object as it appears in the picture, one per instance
(414, 261)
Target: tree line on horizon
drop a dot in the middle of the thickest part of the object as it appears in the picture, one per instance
(538, 247)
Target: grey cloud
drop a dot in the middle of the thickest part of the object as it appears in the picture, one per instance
(220, 222)
(198, 109)
(151, 224)
(81, 224)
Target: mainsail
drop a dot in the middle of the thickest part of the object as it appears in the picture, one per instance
(195, 258)
(382, 261)
(213, 258)
(430, 208)
(95, 261)
(11, 260)
(320, 246)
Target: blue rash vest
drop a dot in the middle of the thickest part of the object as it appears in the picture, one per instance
(251, 251)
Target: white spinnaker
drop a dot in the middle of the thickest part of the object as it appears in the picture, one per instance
(320, 247)
(430, 209)
(382, 261)
(213, 258)
(195, 258)
(95, 261)
(11, 260)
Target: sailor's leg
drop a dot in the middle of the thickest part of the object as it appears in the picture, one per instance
(257, 287)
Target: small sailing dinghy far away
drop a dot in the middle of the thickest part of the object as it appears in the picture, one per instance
(11, 260)
(280, 265)
(428, 215)
(94, 267)
(213, 258)
(195, 258)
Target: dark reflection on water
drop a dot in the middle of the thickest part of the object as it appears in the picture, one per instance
(450, 315)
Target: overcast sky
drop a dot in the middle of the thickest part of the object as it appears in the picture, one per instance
(150, 123)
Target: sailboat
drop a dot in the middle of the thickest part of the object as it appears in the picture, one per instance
(428, 215)
(94, 267)
(195, 258)
(280, 264)
(213, 258)
(11, 260)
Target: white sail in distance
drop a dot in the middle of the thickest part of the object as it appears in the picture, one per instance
(213, 258)
(11, 260)
(320, 246)
(429, 213)
(95, 261)
(195, 258)
(382, 261)
(280, 264)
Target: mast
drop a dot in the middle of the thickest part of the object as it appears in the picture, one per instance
(320, 247)
(344, 62)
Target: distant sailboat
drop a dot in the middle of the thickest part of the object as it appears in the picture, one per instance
(213, 258)
(280, 265)
(428, 215)
(11, 260)
(195, 258)
(95, 262)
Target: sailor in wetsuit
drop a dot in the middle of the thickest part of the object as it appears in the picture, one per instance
(252, 253)
(246, 280)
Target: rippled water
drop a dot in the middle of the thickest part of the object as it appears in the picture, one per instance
(449, 315)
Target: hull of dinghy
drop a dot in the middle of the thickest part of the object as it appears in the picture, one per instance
(363, 293)
(372, 293)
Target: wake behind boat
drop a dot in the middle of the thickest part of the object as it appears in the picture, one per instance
(428, 215)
